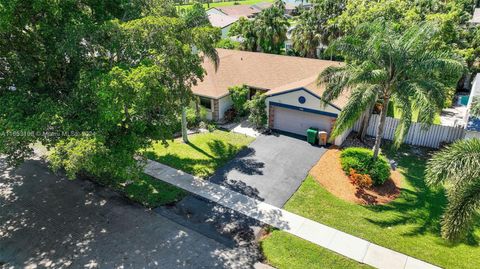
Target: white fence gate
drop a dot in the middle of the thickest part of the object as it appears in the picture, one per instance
(418, 134)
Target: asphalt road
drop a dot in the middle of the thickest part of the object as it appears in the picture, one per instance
(49, 221)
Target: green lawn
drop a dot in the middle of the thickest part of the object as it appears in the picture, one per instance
(229, 3)
(203, 155)
(410, 224)
(286, 251)
(152, 192)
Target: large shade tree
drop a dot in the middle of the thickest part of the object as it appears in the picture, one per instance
(118, 70)
(384, 65)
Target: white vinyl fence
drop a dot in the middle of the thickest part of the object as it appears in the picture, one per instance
(418, 135)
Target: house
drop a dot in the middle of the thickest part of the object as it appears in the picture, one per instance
(476, 16)
(236, 11)
(472, 126)
(293, 97)
(222, 21)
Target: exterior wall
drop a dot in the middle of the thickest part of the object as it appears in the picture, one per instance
(224, 103)
(475, 91)
(225, 31)
(311, 102)
(341, 138)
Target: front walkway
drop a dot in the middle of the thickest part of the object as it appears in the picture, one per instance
(324, 236)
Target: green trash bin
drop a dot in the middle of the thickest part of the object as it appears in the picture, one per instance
(312, 135)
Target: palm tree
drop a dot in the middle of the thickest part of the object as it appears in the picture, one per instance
(387, 65)
(271, 28)
(458, 167)
(305, 35)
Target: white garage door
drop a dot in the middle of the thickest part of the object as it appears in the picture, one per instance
(297, 122)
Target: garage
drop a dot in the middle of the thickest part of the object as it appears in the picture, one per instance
(297, 120)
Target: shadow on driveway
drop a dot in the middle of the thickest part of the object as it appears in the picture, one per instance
(271, 169)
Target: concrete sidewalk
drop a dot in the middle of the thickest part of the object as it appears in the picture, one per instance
(347, 245)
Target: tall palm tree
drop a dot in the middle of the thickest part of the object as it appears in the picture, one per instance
(457, 166)
(387, 65)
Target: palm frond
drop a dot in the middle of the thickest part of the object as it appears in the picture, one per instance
(361, 97)
(456, 164)
(463, 205)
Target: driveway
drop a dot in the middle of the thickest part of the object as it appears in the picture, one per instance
(271, 169)
(47, 221)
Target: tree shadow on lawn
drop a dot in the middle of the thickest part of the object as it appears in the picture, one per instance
(421, 205)
(220, 154)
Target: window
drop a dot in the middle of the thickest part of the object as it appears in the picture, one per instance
(206, 102)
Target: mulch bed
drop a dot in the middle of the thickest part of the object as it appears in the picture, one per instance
(328, 172)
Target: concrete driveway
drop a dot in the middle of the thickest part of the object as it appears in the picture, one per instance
(271, 169)
(47, 221)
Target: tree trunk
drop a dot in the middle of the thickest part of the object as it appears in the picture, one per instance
(381, 125)
(366, 120)
(184, 125)
(197, 108)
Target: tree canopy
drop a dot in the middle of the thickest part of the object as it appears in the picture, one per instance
(95, 83)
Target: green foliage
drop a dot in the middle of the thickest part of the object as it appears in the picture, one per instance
(475, 107)
(246, 30)
(239, 95)
(227, 43)
(454, 32)
(120, 71)
(196, 16)
(267, 31)
(271, 28)
(457, 166)
(257, 110)
(362, 161)
(314, 27)
(384, 65)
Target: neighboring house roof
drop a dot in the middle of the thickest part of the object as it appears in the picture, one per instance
(476, 16)
(222, 21)
(262, 6)
(239, 11)
(275, 73)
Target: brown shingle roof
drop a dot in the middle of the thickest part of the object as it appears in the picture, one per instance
(276, 73)
(239, 10)
(220, 20)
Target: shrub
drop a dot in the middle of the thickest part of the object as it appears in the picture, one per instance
(258, 110)
(227, 43)
(239, 95)
(361, 180)
(361, 160)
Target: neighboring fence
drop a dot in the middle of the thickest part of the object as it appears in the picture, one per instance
(417, 135)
